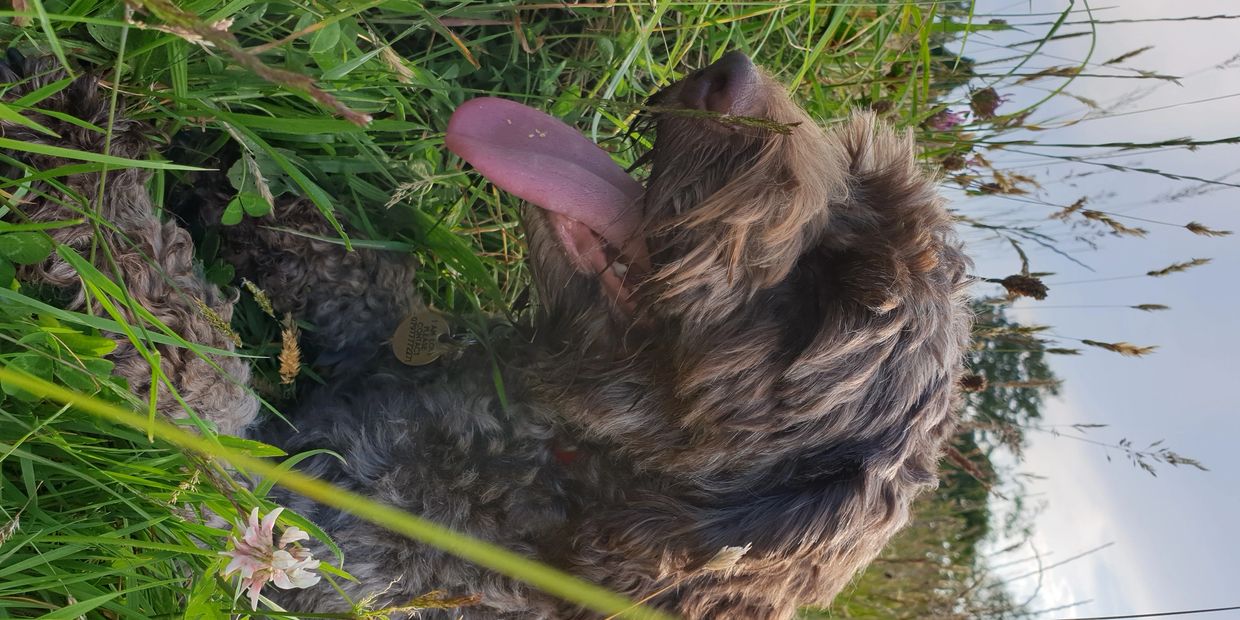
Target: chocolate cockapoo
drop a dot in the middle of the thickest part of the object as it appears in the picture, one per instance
(758, 348)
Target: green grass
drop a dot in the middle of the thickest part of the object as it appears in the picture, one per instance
(93, 517)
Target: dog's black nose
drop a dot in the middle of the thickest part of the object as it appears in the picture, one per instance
(726, 87)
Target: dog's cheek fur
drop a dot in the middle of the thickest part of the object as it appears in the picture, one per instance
(730, 210)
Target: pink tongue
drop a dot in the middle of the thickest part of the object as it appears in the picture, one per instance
(548, 163)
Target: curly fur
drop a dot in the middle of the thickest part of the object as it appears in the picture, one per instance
(787, 382)
(153, 259)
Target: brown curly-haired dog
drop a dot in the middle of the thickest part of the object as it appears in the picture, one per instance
(757, 349)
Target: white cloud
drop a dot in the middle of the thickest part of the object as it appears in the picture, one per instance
(1081, 513)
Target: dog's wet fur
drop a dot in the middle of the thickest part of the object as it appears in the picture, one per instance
(783, 378)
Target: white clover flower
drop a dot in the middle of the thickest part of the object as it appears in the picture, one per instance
(260, 558)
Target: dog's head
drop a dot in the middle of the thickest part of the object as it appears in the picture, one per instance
(774, 320)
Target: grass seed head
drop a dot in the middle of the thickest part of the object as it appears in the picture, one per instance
(290, 352)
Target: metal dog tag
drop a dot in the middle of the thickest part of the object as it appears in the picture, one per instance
(417, 340)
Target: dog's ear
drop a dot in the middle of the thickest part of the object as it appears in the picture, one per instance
(807, 523)
(843, 486)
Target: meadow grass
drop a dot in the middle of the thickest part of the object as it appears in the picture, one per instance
(344, 104)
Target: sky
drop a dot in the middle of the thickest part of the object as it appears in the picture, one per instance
(1175, 535)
